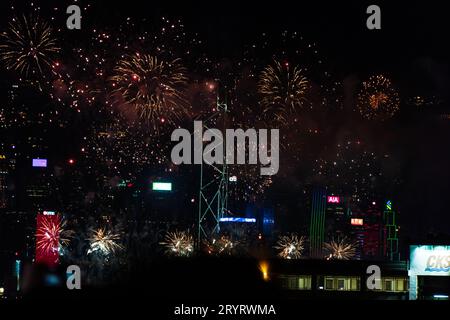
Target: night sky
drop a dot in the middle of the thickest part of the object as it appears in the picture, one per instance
(411, 49)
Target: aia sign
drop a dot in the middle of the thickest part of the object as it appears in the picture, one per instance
(333, 199)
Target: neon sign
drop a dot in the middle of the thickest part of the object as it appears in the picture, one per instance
(162, 186)
(389, 205)
(40, 163)
(233, 219)
(357, 222)
(333, 199)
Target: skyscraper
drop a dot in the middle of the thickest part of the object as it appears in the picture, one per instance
(317, 224)
(3, 183)
(391, 237)
(337, 217)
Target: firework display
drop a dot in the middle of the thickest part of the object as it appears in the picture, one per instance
(247, 184)
(104, 241)
(290, 246)
(283, 89)
(378, 100)
(178, 244)
(94, 121)
(352, 167)
(117, 144)
(151, 85)
(220, 246)
(52, 235)
(28, 46)
(287, 68)
(341, 249)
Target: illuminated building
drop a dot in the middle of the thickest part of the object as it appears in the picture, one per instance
(429, 272)
(336, 221)
(38, 194)
(268, 221)
(369, 232)
(47, 242)
(374, 231)
(3, 184)
(263, 216)
(7, 167)
(391, 230)
(317, 223)
(358, 225)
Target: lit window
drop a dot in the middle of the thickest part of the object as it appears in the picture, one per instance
(400, 285)
(304, 282)
(354, 284)
(388, 285)
(341, 284)
(329, 284)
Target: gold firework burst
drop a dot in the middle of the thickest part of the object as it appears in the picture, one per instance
(377, 99)
(155, 87)
(178, 243)
(290, 246)
(104, 241)
(221, 246)
(282, 89)
(341, 249)
(28, 46)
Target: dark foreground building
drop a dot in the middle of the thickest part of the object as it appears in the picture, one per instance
(339, 279)
(425, 276)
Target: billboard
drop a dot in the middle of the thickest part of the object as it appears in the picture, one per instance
(430, 260)
(357, 222)
(162, 186)
(427, 260)
(39, 163)
(236, 219)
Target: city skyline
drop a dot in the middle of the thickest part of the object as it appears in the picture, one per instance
(88, 118)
